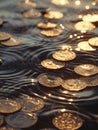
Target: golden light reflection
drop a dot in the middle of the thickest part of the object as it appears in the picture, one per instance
(87, 7)
(63, 110)
(27, 1)
(94, 3)
(80, 16)
(77, 2)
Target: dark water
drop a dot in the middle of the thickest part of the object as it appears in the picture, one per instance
(20, 65)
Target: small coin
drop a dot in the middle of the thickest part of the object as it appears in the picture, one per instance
(51, 32)
(1, 119)
(52, 64)
(86, 69)
(53, 15)
(93, 41)
(27, 3)
(68, 121)
(84, 45)
(8, 128)
(60, 2)
(74, 84)
(84, 26)
(49, 80)
(1, 23)
(4, 36)
(9, 105)
(21, 119)
(46, 25)
(90, 17)
(64, 55)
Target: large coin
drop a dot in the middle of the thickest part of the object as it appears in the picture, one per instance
(1, 120)
(90, 17)
(9, 105)
(67, 121)
(53, 15)
(52, 64)
(64, 55)
(60, 2)
(21, 119)
(86, 69)
(74, 84)
(46, 25)
(93, 41)
(4, 36)
(49, 80)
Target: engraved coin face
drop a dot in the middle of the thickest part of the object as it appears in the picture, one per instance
(90, 17)
(52, 64)
(21, 119)
(9, 106)
(1, 119)
(84, 45)
(74, 84)
(49, 80)
(86, 69)
(64, 55)
(51, 32)
(84, 26)
(53, 15)
(60, 2)
(4, 36)
(93, 41)
(67, 121)
(46, 25)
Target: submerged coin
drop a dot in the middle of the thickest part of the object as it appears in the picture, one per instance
(46, 25)
(53, 15)
(49, 80)
(27, 3)
(52, 32)
(52, 64)
(64, 55)
(84, 26)
(60, 2)
(21, 119)
(86, 69)
(4, 36)
(90, 17)
(67, 121)
(9, 105)
(74, 84)
(1, 120)
(93, 41)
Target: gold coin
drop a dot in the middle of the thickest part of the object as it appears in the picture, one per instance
(51, 32)
(9, 105)
(84, 45)
(84, 26)
(53, 15)
(4, 36)
(90, 17)
(74, 84)
(49, 80)
(93, 41)
(46, 25)
(64, 55)
(60, 2)
(1, 120)
(52, 64)
(67, 121)
(27, 3)
(86, 69)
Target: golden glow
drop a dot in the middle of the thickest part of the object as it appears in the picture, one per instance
(87, 7)
(93, 3)
(77, 2)
(80, 16)
(61, 25)
(71, 36)
(49, 94)
(27, 1)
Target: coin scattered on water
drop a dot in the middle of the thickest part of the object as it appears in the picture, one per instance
(9, 105)
(67, 121)
(74, 84)
(64, 55)
(21, 119)
(1, 120)
(86, 69)
(46, 25)
(90, 17)
(60, 2)
(52, 64)
(93, 41)
(27, 3)
(49, 80)
(84, 26)
(53, 15)
(4, 36)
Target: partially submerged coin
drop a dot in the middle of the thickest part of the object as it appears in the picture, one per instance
(93, 41)
(60, 2)
(4, 36)
(1, 120)
(84, 26)
(90, 17)
(52, 64)
(27, 3)
(46, 25)
(49, 80)
(64, 55)
(74, 84)
(51, 32)
(53, 15)
(67, 121)
(86, 69)
(21, 119)
(8, 105)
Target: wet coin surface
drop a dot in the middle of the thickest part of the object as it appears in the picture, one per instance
(46, 25)
(90, 17)
(84, 45)
(1, 119)
(93, 41)
(9, 105)
(51, 32)
(64, 55)
(74, 84)
(84, 26)
(60, 2)
(52, 64)
(53, 15)
(21, 119)
(86, 69)
(49, 80)
(67, 121)
(4, 36)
